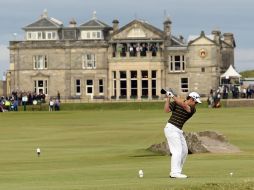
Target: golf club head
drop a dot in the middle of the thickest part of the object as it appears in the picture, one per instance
(163, 91)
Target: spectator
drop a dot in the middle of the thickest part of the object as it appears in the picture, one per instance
(249, 92)
(57, 105)
(58, 96)
(15, 105)
(51, 105)
(7, 104)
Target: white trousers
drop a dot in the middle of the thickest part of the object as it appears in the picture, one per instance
(178, 147)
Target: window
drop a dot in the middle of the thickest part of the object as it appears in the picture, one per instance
(49, 36)
(88, 35)
(184, 84)
(54, 35)
(144, 83)
(40, 62)
(134, 84)
(101, 89)
(89, 61)
(42, 35)
(144, 74)
(177, 63)
(91, 34)
(114, 83)
(41, 86)
(203, 69)
(78, 89)
(153, 83)
(29, 35)
(89, 87)
(98, 35)
(123, 84)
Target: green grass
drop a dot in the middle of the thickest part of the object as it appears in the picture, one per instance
(104, 149)
(247, 74)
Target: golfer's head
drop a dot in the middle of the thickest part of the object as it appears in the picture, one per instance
(194, 97)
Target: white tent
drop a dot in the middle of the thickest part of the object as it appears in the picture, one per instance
(229, 75)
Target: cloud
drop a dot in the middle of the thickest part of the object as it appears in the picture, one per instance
(4, 58)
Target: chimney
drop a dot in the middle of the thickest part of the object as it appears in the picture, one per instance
(181, 38)
(217, 36)
(72, 23)
(115, 25)
(229, 39)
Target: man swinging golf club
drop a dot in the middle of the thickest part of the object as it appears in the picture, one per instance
(181, 110)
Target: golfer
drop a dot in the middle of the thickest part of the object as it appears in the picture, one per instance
(181, 110)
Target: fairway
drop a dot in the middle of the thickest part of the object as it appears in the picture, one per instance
(105, 149)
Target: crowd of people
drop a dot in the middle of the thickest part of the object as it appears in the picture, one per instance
(228, 91)
(138, 49)
(21, 98)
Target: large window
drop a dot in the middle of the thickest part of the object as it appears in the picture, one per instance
(154, 83)
(89, 61)
(41, 86)
(123, 84)
(89, 87)
(42, 35)
(40, 62)
(134, 84)
(78, 87)
(114, 83)
(176, 63)
(101, 87)
(144, 82)
(184, 84)
(91, 34)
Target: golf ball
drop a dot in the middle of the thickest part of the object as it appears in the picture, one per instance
(141, 173)
(231, 173)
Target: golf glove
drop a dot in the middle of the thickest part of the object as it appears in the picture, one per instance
(170, 94)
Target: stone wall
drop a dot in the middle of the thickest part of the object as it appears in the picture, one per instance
(1, 88)
(239, 103)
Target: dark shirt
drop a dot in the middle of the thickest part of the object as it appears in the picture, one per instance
(179, 115)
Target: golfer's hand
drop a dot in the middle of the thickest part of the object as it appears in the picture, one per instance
(170, 94)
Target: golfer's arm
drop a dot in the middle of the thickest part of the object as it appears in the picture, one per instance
(181, 103)
(166, 105)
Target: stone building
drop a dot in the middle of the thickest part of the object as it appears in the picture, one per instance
(94, 60)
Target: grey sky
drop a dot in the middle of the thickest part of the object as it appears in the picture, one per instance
(189, 17)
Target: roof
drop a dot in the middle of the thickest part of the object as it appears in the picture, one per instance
(231, 73)
(95, 24)
(143, 23)
(45, 22)
(194, 37)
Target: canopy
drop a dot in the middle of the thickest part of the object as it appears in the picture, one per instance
(230, 74)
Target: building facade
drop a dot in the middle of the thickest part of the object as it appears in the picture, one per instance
(98, 61)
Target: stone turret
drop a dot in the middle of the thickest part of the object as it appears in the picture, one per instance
(217, 36)
(229, 39)
(115, 25)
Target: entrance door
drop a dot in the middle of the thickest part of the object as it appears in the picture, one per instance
(89, 87)
(41, 86)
